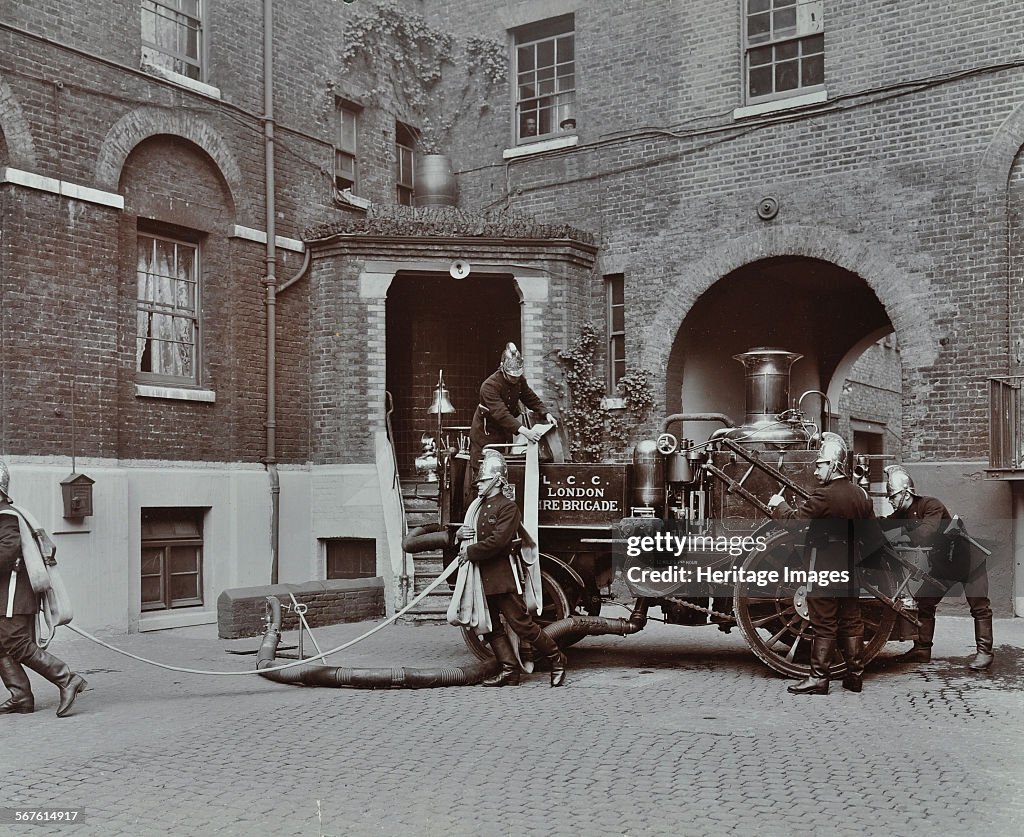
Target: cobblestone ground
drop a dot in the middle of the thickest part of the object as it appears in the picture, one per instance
(672, 731)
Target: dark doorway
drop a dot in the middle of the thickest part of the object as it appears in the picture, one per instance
(436, 323)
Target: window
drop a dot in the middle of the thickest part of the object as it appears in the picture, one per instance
(345, 144)
(785, 48)
(351, 558)
(172, 36)
(172, 558)
(545, 74)
(616, 327)
(405, 142)
(167, 310)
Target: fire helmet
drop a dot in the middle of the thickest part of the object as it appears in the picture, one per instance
(5, 479)
(493, 465)
(899, 487)
(512, 361)
(833, 450)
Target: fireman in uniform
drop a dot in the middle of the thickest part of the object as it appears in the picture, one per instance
(497, 523)
(924, 521)
(17, 623)
(835, 545)
(495, 419)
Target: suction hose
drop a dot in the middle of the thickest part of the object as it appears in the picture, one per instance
(336, 677)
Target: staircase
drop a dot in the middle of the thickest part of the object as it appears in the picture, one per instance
(420, 500)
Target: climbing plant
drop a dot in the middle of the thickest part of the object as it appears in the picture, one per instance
(595, 430)
(423, 75)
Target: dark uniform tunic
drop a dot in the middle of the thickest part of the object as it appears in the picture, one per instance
(16, 633)
(925, 521)
(835, 609)
(495, 421)
(497, 523)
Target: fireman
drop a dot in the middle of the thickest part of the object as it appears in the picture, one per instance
(19, 605)
(834, 618)
(497, 523)
(924, 522)
(495, 420)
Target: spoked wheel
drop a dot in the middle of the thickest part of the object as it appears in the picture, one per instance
(774, 622)
(557, 605)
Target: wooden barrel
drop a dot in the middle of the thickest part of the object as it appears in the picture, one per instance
(433, 181)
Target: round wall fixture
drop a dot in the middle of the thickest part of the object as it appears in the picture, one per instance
(767, 208)
(460, 269)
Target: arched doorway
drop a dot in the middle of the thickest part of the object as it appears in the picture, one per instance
(800, 304)
(437, 323)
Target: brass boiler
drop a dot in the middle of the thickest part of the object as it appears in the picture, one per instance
(766, 397)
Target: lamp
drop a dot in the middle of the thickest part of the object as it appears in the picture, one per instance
(435, 452)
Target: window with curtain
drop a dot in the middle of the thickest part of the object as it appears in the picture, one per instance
(167, 310)
(172, 36)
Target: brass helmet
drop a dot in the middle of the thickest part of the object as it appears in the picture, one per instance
(899, 487)
(5, 480)
(833, 450)
(512, 361)
(492, 470)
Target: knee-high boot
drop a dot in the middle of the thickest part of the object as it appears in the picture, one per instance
(57, 672)
(852, 649)
(922, 650)
(816, 683)
(18, 685)
(983, 637)
(508, 674)
(549, 648)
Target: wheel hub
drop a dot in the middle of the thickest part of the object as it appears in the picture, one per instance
(800, 601)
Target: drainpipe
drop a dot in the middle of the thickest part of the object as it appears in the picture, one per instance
(270, 280)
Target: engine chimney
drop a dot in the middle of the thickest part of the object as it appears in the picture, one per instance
(767, 395)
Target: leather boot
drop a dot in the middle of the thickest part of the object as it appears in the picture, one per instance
(549, 648)
(57, 672)
(852, 649)
(18, 685)
(816, 683)
(983, 637)
(922, 650)
(508, 674)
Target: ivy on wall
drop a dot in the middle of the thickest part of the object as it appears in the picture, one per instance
(423, 75)
(596, 431)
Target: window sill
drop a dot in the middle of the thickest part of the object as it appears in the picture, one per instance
(182, 80)
(174, 393)
(161, 620)
(815, 98)
(537, 147)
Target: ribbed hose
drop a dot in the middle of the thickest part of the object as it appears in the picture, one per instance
(336, 677)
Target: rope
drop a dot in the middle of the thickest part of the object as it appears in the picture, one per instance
(451, 567)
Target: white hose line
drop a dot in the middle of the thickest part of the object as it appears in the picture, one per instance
(448, 571)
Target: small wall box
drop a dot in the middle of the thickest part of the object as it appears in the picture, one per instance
(76, 491)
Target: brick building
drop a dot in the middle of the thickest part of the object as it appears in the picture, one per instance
(695, 178)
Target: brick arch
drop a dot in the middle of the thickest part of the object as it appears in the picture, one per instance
(900, 294)
(21, 149)
(998, 157)
(142, 123)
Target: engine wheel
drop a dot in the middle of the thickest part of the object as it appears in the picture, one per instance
(775, 624)
(557, 605)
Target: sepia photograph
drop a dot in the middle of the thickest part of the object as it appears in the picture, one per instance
(659, 362)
